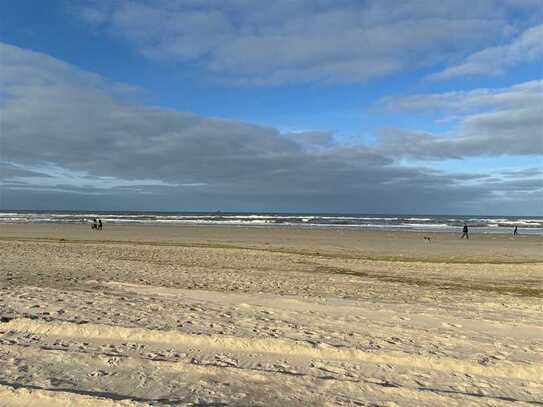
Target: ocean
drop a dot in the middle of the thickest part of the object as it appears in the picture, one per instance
(532, 225)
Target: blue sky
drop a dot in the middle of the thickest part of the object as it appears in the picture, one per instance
(327, 106)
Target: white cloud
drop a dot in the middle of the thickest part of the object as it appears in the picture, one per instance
(519, 96)
(491, 122)
(52, 176)
(303, 40)
(528, 47)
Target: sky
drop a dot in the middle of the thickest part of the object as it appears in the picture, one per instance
(344, 106)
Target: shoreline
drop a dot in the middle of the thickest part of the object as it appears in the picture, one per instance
(410, 246)
(474, 230)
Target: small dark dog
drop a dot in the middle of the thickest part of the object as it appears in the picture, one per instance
(428, 238)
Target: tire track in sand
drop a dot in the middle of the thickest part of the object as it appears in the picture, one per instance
(284, 347)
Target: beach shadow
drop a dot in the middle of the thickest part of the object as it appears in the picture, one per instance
(110, 395)
(485, 396)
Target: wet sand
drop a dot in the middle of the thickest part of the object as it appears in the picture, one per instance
(243, 316)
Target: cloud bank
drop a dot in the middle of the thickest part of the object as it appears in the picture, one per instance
(491, 122)
(89, 136)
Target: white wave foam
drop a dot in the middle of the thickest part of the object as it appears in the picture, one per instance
(529, 225)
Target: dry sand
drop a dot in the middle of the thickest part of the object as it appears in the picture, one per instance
(216, 316)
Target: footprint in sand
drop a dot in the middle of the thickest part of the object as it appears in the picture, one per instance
(98, 373)
(447, 325)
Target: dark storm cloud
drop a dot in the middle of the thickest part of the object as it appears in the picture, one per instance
(95, 143)
(305, 40)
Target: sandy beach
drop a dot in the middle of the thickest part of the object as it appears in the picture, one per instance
(271, 316)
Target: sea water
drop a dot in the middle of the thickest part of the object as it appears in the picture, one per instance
(532, 225)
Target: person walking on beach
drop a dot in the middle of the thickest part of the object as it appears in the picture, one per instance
(465, 232)
(515, 232)
(94, 224)
(99, 224)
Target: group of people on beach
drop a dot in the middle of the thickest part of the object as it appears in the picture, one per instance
(96, 224)
(465, 231)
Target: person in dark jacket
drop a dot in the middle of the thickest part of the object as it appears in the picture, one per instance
(465, 231)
